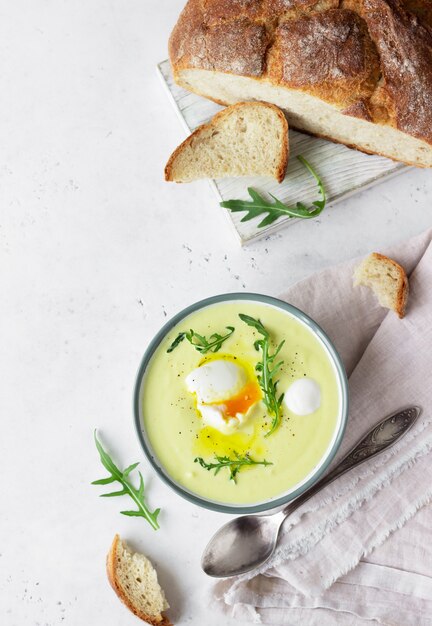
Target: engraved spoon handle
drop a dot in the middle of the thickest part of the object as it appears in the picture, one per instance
(381, 437)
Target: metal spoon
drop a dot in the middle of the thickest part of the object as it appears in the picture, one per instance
(249, 541)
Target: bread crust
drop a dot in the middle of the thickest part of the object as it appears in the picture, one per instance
(360, 56)
(327, 54)
(281, 169)
(111, 573)
(403, 293)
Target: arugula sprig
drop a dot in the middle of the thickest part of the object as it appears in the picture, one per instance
(259, 205)
(201, 343)
(234, 465)
(177, 341)
(137, 495)
(267, 371)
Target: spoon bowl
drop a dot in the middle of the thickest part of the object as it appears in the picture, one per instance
(249, 540)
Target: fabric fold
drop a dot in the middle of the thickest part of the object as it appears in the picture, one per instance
(389, 362)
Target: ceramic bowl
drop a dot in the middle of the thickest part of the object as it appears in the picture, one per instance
(324, 463)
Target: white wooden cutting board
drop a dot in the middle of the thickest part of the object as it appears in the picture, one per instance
(343, 171)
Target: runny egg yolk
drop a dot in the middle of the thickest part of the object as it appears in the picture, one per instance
(242, 402)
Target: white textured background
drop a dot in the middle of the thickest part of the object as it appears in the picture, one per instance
(96, 250)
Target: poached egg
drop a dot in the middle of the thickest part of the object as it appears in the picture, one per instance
(225, 392)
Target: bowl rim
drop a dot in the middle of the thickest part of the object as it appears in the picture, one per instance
(340, 370)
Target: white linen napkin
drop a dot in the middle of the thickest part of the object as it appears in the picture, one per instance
(336, 567)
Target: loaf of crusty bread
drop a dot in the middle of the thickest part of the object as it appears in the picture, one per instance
(358, 72)
(245, 139)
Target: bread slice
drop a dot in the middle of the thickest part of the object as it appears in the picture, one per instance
(246, 139)
(134, 580)
(387, 279)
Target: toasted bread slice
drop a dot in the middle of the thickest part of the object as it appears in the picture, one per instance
(387, 279)
(134, 580)
(246, 139)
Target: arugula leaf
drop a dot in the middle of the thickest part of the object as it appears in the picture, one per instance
(176, 342)
(259, 205)
(251, 321)
(119, 476)
(201, 343)
(267, 371)
(234, 465)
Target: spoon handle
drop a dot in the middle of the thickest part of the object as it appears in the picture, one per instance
(381, 437)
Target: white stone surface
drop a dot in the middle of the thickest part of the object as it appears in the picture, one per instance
(95, 252)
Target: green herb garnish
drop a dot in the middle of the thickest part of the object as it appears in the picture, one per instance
(201, 343)
(259, 205)
(117, 475)
(234, 465)
(177, 341)
(267, 371)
